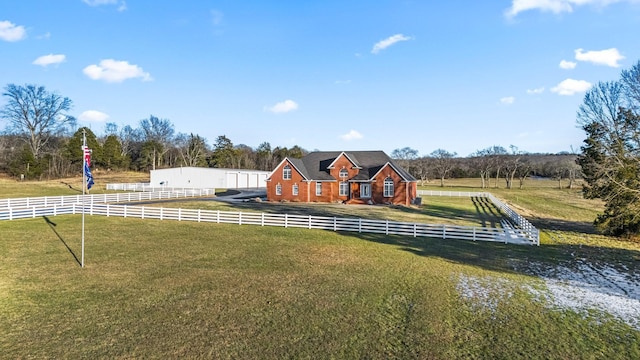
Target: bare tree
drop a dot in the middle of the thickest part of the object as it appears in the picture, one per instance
(631, 84)
(524, 170)
(443, 162)
(129, 137)
(498, 159)
(511, 164)
(482, 161)
(36, 115)
(405, 157)
(193, 149)
(422, 168)
(158, 136)
(610, 158)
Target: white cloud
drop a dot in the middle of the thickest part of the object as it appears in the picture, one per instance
(567, 65)
(93, 116)
(508, 100)
(122, 4)
(539, 90)
(282, 107)
(383, 44)
(351, 135)
(571, 86)
(608, 57)
(50, 59)
(11, 32)
(114, 71)
(555, 6)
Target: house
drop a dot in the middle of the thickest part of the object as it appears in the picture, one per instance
(353, 177)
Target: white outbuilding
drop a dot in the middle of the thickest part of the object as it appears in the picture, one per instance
(208, 178)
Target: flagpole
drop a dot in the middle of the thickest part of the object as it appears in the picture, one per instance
(84, 183)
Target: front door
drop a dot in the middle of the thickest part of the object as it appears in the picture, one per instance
(365, 191)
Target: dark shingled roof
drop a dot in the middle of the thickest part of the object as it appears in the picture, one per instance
(314, 166)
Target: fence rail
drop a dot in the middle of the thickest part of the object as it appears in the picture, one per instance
(103, 198)
(516, 230)
(129, 186)
(504, 235)
(517, 220)
(146, 187)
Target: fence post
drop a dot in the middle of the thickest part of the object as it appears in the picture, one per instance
(198, 215)
(179, 214)
(286, 222)
(261, 219)
(386, 227)
(161, 213)
(415, 230)
(474, 233)
(444, 231)
(218, 216)
(240, 218)
(359, 225)
(142, 213)
(309, 221)
(335, 225)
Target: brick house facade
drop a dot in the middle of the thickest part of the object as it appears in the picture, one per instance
(355, 177)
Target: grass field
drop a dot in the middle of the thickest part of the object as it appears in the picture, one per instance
(154, 289)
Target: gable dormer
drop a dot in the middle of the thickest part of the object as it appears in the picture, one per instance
(343, 167)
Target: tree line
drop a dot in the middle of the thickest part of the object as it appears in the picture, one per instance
(41, 140)
(494, 166)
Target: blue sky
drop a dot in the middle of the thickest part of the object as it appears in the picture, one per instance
(459, 75)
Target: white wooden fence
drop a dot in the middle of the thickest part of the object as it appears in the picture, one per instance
(517, 230)
(146, 187)
(102, 198)
(517, 221)
(387, 227)
(129, 186)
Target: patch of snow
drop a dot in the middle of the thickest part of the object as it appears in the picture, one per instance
(582, 288)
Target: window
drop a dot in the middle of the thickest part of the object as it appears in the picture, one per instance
(286, 172)
(344, 173)
(294, 189)
(318, 188)
(365, 191)
(344, 188)
(279, 189)
(388, 187)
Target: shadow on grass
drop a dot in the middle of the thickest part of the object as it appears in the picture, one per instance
(484, 213)
(53, 225)
(583, 227)
(510, 258)
(71, 187)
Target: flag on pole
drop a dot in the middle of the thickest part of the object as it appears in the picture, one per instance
(87, 174)
(87, 164)
(87, 154)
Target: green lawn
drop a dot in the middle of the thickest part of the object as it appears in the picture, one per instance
(167, 289)
(163, 289)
